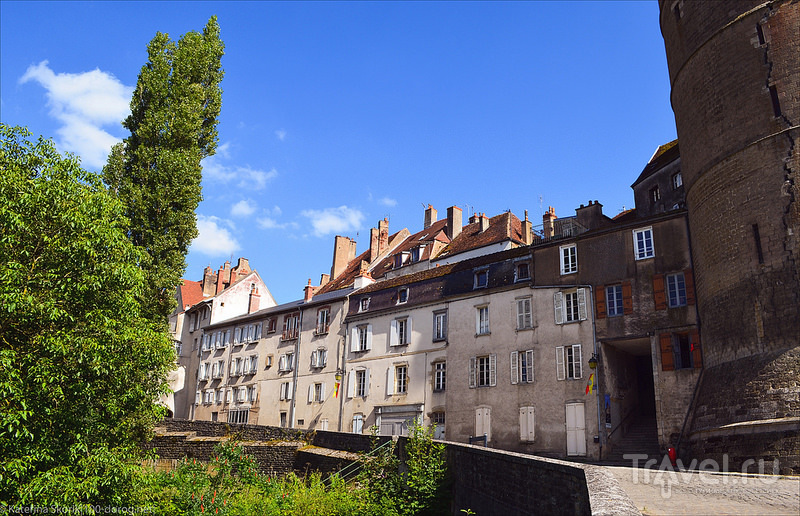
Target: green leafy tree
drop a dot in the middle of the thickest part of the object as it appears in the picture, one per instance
(156, 171)
(79, 367)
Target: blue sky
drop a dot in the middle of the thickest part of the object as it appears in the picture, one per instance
(336, 115)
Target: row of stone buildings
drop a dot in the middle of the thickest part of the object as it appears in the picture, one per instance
(550, 339)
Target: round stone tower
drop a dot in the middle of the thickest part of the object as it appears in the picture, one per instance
(734, 68)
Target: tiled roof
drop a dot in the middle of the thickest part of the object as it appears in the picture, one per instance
(505, 226)
(625, 216)
(663, 155)
(191, 293)
(434, 232)
(346, 278)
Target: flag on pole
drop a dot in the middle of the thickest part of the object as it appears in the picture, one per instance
(590, 385)
(336, 389)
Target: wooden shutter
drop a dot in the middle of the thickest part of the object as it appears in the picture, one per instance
(697, 354)
(526, 424)
(408, 331)
(322, 392)
(560, 362)
(558, 304)
(369, 337)
(314, 358)
(600, 302)
(581, 304)
(393, 341)
(627, 298)
(659, 294)
(514, 367)
(366, 382)
(688, 281)
(354, 339)
(667, 354)
(389, 381)
(351, 383)
(311, 393)
(472, 364)
(492, 370)
(578, 358)
(290, 391)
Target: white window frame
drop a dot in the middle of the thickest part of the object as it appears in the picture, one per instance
(614, 303)
(568, 255)
(517, 266)
(286, 390)
(323, 320)
(361, 338)
(440, 325)
(237, 336)
(569, 362)
(286, 362)
(397, 380)
(476, 376)
(363, 304)
(524, 313)
(400, 331)
(291, 326)
(482, 320)
(252, 393)
(522, 366)
(560, 305)
(677, 180)
(643, 247)
(358, 383)
(358, 423)
(439, 376)
(402, 295)
(319, 357)
(316, 392)
(675, 284)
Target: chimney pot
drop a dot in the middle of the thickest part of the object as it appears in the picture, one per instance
(430, 216)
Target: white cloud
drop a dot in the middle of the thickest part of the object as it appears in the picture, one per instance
(243, 208)
(243, 177)
(386, 201)
(213, 239)
(83, 103)
(281, 134)
(334, 220)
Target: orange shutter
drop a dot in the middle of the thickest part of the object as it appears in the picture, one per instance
(600, 301)
(667, 358)
(688, 281)
(627, 299)
(659, 295)
(697, 354)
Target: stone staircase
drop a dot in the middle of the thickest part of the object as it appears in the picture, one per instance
(641, 438)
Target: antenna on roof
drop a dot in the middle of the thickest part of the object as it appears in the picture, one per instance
(541, 206)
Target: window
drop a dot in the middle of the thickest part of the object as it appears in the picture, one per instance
(319, 357)
(522, 367)
(286, 390)
(272, 325)
(316, 393)
(253, 333)
(291, 326)
(358, 423)
(236, 366)
(208, 397)
(237, 336)
(400, 383)
(400, 332)
(677, 180)
(402, 296)
(252, 393)
(655, 195)
(439, 376)
(363, 305)
(198, 396)
(251, 364)
(203, 371)
(483, 422)
(238, 417)
(570, 306)
(569, 259)
(283, 420)
(524, 315)
(398, 261)
(416, 253)
(482, 321)
(643, 243)
(241, 394)
(439, 326)
(323, 320)
(229, 396)
(437, 418)
(481, 278)
(177, 345)
(614, 306)
(357, 382)
(676, 290)
(218, 371)
(568, 362)
(286, 362)
(526, 424)
(218, 396)
(323, 424)
(680, 350)
(483, 371)
(522, 271)
(361, 338)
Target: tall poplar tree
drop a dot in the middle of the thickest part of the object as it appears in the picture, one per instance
(156, 171)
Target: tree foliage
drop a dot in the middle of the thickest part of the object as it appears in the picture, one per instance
(80, 369)
(156, 171)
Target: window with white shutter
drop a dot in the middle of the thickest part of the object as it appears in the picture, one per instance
(527, 424)
(361, 338)
(569, 362)
(237, 335)
(483, 371)
(524, 315)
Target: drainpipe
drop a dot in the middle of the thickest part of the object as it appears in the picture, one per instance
(295, 371)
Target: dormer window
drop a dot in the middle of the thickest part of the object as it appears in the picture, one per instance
(402, 296)
(416, 253)
(677, 180)
(522, 271)
(481, 278)
(363, 305)
(398, 261)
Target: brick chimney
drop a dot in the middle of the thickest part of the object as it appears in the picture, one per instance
(527, 230)
(344, 250)
(363, 279)
(383, 227)
(484, 220)
(309, 291)
(430, 216)
(255, 299)
(590, 216)
(453, 222)
(324, 279)
(224, 277)
(547, 222)
(209, 282)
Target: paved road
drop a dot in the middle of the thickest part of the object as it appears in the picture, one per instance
(675, 492)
